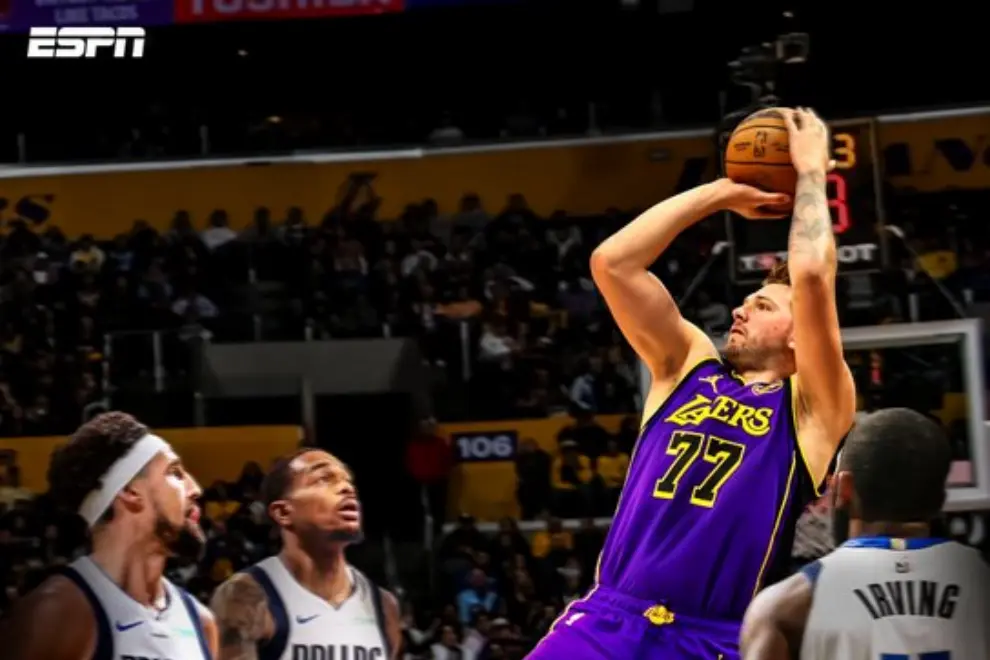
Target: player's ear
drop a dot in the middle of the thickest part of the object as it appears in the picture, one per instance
(843, 485)
(280, 512)
(134, 495)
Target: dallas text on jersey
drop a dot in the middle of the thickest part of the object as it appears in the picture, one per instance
(335, 652)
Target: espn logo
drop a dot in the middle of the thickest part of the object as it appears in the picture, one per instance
(80, 42)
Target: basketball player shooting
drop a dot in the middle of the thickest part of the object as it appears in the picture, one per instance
(307, 602)
(891, 592)
(141, 507)
(732, 447)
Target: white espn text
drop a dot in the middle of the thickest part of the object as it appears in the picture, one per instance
(79, 42)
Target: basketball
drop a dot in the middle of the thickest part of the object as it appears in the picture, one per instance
(758, 153)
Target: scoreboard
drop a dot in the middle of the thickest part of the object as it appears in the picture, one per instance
(854, 198)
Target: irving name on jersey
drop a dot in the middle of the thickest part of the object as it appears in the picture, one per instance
(910, 598)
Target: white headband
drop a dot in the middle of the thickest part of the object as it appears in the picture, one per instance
(119, 475)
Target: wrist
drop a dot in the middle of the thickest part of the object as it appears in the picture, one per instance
(717, 195)
(816, 173)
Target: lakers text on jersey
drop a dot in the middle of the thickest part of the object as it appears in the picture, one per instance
(714, 487)
(310, 628)
(882, 598)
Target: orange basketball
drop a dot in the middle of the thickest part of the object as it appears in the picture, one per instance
(758, 153)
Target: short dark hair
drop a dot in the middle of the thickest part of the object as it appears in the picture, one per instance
(78, 467)
(899, 460)
(277, 483)
(779, 274)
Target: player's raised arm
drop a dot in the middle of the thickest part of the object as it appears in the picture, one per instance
(773, 628)
(242, 617)
(643, 308)
(825, 388)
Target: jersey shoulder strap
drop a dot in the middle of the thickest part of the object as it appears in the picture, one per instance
(377, 601)
(812, 571)
(104, 633)
(196, 620)
(273, 648)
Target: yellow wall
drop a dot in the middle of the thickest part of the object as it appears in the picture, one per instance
(487, 490)
(583, 179)
(210, 454)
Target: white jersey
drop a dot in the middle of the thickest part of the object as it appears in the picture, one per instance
(880, 598)
(307, 627)
(128, 630)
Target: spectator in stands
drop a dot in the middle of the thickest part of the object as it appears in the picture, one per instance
(450, 645)
(87, 257)
(478, 594)
(570, 477)
(590, 436)
(429, 462)
(217, 233)
(611, 467)
(476, 637)
(552, 540)
(10, 487)
(532, 479)
(588, 542)
(194, 306)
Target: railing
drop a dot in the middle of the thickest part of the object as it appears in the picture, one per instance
(592, 135)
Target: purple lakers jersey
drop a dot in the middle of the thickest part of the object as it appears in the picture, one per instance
(715, 485)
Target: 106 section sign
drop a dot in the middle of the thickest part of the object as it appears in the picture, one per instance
(485, 446)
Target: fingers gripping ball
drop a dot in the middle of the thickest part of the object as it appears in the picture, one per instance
(758, 153)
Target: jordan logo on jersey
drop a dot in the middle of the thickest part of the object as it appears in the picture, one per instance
(335, 652)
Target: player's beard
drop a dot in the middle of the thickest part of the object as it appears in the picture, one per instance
(186, 542)
(347, 535)
(745, 357)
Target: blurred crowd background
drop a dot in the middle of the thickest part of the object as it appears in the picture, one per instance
(522, 379)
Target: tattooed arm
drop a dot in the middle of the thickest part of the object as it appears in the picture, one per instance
(242, 618)
(825, 391)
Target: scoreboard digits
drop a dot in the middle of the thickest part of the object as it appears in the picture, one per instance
(852, 190)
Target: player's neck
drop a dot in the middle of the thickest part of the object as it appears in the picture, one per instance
(859, 528)
(760, 376)
(135, 565)
(324, 573)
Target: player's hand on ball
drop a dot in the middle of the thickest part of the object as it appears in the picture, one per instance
(752, 203)
(811, 146)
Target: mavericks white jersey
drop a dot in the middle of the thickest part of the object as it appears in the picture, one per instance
(128, 630)
(307, 627)
(880, 598)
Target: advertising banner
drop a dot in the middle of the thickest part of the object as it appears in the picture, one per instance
(197, 11)
(20, 15)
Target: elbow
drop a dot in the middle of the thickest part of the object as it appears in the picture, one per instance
(601, 260)
(605, 262)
